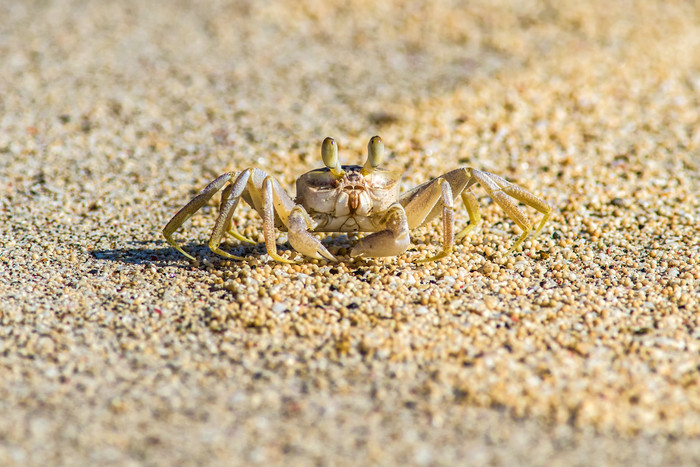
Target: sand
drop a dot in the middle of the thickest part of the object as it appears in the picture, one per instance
(581, 349)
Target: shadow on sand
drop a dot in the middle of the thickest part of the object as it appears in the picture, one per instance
(169, 256)
(166, 255)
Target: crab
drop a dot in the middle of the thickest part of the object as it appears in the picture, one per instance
(353, 198)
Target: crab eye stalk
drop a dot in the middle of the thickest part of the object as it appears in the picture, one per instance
(375, 155)
(329, 153)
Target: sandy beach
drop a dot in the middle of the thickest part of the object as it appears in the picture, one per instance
(581, 349)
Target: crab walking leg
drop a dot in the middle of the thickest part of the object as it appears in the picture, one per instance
(472, 206)
(392, 241)
(229, 200)
(190, 208)
(448, 221)
(237, 235)
(268, 215)
(504, 198)
(301, 239)
(526, 198)
(283, 203)
(426, 202)
(230, 229)
(266, 196)
(418, 203)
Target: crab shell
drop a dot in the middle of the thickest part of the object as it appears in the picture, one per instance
(346, 204)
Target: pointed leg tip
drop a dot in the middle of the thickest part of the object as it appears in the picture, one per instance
(247, 240)
(183, 252)
(221, 252)
(437, 257)
(280, 259)
(514, 249)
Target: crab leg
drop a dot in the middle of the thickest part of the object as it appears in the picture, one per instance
(229, 200)
(230, 229)
(268, 215)
(270, 200)
(267, 197)
(503, 192)
(416, 201)
(526, 198)
(294, 217)
(391, 241)
(190, 208)
(472, 206)
(425, 202)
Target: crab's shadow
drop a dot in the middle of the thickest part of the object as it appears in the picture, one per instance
(169, 256)
(161, 256)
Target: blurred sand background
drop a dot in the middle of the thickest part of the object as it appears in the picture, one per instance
(583, 349)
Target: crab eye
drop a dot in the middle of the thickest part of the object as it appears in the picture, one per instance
(329, 153)
(375, 150)
(375, 154)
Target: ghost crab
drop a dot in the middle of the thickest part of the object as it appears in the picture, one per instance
(353, 198)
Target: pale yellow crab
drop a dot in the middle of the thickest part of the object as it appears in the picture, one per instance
(353, 198)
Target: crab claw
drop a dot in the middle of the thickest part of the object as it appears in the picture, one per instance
(391, 241)
(302, 240)
(380, 244)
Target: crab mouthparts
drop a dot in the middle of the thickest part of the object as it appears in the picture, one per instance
(353, 201)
